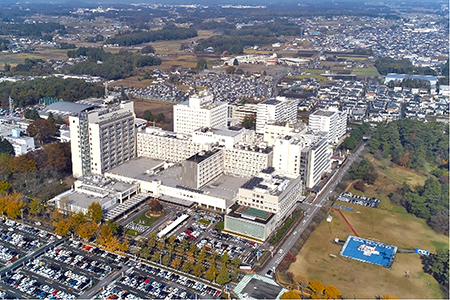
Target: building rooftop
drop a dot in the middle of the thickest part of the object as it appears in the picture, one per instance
(254, 286)
(270, 184)
(68, 107)
(325, 113)
(147, 169)
(201, 156)
(271, 102)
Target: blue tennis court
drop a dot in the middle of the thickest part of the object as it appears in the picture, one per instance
(369, 251)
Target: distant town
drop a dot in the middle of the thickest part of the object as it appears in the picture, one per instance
(224, 151)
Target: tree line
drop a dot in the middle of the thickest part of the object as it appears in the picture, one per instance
(412, 143)
(169, 32)
(387, 65)
(25, 93)
(109, 65)
(31, 30)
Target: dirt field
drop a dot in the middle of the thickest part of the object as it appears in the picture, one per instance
(389, 224)
(155, 107)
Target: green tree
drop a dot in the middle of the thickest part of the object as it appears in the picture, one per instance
(235, 62)
(156, 256)
(6, 147)
(249, 122)
(148, 115)
(35, 207)
(95, 212)
(225, 258)
(166, 259)
(223, 276)
(438, 266)
(211, 273)
(145, 253)
(236, 262)
(198, 269)
(160, 118)
(187, 266)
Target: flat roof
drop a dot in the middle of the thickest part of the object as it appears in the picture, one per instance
(70, 107)
(199, 157)
(325, 113)
(254, 286)
(224, 186)
(271, 102)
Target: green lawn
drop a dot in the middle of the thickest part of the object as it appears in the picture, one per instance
(366, 71)
(131, 232)
(144, 220)
(204, 221)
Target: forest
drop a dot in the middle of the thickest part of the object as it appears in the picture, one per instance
(109, 65)
(169, 32)
(29, 92)
(420, 146)
(387, 65)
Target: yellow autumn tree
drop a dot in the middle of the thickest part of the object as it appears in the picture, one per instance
(294, 294)
(331, 292)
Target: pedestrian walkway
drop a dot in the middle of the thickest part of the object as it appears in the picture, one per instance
(126, 206)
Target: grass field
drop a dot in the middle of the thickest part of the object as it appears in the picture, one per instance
(366, 71)
(144, 220)
(155, 107)
(363, 280)
(389, 224)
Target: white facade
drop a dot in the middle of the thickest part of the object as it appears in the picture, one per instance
(22, 144)
(302, 154)
(243, 160)
(276, 110)
(221, 137)
(102, 139)
(275, 194)
(200, 111)
(163, 145)
(334, 123)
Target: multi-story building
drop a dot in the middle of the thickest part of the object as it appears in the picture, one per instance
(201, 168)
(238, 112)
(199, 111)
(276, 130)
(102, 139)
(272, 192)
(156, 143)
(247, 160)
(333, 122)
(262, 203)
(302, 154)
(277, 110)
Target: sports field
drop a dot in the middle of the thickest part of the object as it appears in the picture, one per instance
(362, 280)
(369, 251)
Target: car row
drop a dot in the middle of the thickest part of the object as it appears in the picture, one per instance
(33, 288)
(98, 268)
(65, 277)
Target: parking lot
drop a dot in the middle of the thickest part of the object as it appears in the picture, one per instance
(17, 240)
(145, 281)
(201, 229)
(62, 272)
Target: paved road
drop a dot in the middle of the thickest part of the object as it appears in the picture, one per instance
(89, 294)
(311, 209)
